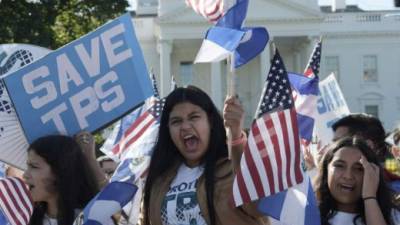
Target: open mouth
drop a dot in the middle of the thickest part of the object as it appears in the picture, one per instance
(190, 142)
(347, 187)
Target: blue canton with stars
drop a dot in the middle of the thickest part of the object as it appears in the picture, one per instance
(277, 94)
(315, 59)
(157, 108)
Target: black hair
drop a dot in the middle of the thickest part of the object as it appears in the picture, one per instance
(74, 180)
(165, 151)
(369, 128)
(327, 204)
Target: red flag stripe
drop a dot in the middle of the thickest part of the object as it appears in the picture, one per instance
(135, 124)
(139, 133)
(6, 206)
(21, 191)
(285, 148)
(263, 154)
(297, 167)
(12, 200)
(132, 130)
(16, 201)
(212, 10)
(254, 172)
(276, 155)
(242, 189)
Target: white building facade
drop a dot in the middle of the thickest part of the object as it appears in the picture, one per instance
(361, 47)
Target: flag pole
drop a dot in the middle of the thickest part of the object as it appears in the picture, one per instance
(231, 92)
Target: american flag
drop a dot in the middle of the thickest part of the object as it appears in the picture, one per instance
(145, 118)
(212, 10)
(15, 201)
(154, 83)
(271, 159)
(312, 68)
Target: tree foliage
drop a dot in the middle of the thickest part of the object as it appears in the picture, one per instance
(53, 23)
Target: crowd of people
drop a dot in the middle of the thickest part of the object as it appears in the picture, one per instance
(191, 172)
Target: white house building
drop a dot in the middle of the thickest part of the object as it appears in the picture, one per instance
(361, 47)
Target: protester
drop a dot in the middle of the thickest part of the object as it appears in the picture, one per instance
(366, 126)
(107, 165)
(396, 143)
(350, 188)
(190, 176)
(59, 179)
(371, 130)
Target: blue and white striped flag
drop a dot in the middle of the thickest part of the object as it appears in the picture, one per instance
(295, 206)
(109, 201)
(305, 95)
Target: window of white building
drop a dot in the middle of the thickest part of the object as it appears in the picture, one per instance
(372, 110)
(186, 73)
(370, 69)
(332, 65)
(371, 103)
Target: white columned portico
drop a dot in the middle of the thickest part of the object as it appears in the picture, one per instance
(165, 49)
(216, 90)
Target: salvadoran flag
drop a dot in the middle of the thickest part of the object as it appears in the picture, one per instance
(295, 206)
(305, 95)
(228, 36)
(109, 201)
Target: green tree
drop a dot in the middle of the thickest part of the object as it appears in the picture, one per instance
(54, 23)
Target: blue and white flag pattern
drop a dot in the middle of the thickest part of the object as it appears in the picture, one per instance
(295, 206)
(109, 201)
(228, 36)
(305, 95)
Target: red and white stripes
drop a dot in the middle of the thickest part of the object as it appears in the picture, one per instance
(15, 201)
(212, 10)
(271, 160)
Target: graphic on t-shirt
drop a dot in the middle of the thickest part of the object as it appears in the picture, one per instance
(180, 205)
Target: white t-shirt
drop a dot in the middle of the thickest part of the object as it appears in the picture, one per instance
(49, 221)
(180, 205)
(343, 218)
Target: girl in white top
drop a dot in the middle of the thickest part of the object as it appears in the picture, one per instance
(350, 187)
(60, 180)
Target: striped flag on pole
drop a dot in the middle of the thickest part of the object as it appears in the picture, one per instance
(132, 128)
(312, 68)
(271, 160)
(212, 10)
(15, 202)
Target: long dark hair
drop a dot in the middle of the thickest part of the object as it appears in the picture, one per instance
(327, 204)
(74, 180)
(165, 152)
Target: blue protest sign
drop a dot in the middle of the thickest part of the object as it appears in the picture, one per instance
(84, 85)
